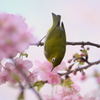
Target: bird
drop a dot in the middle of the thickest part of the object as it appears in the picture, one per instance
(55, 42)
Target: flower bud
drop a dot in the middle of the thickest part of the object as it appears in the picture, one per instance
(69, 61)
(88, 48)
(70, 67)
(75, 72)
(82, 46)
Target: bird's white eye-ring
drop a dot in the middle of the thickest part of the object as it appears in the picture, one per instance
(53, 59)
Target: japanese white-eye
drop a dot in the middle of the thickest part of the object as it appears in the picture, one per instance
(55, 42)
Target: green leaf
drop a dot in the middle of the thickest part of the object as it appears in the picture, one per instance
(84, 51)
(24, 54)
(39, 84)
(15, 77)
(96, 74)
(81, 63)
(67, 82)
(77, 55)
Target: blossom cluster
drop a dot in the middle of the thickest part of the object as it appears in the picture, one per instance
(66, 93)
(15, 36)
(17, 71)
(45, 73)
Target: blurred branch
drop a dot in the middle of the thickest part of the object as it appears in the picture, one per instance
(24, 75)
(21, 95)
(76, 43)
(80, 69)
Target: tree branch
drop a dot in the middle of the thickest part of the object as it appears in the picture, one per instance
(83, 43)
(80, 69)
(77, 43)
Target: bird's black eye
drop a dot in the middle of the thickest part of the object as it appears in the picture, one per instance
(53, 59)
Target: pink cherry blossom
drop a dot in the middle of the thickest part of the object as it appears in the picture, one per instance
(98, 80)
(0, 67)
(46, 66)
(23, 63)
(15, 36)
(32, 78)
(47, 97)
(7, 74)
(45, 73)
(3, 77)
(64, 91)
(43, 68)
(72, 97)
(60, 67)
(18, 71)
(83, 77)
(22, 67)
(53, 78)
(75, 87)
(64, 94)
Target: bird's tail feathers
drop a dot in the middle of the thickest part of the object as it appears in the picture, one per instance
(56, 19)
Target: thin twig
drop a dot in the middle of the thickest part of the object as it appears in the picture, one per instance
(40, 43)
(80, 69)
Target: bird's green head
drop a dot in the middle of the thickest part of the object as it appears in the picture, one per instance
(56, 61)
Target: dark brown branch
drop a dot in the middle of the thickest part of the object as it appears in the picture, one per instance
(77, 43)
(81, 68)
(83, 43)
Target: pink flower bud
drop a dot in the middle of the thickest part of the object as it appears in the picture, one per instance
(70, 67)
(82, 46)
(69, 61)
(74, 56)
(75, 72)
(88, 48)
(83, 73)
